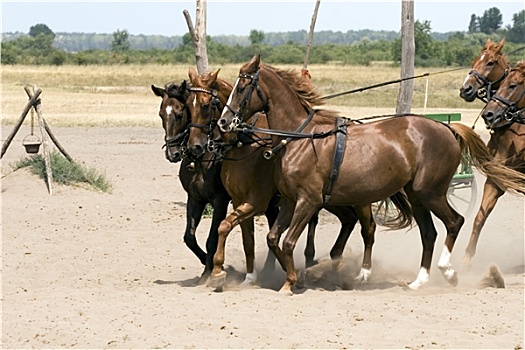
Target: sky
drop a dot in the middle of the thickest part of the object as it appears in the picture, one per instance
(240, 17)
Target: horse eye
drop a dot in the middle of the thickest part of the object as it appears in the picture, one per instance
(513, 86)
(205, 106)
(240, 89)
(178, 116)
(490, 63)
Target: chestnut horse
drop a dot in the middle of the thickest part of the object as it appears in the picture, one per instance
(199, 178)
(488, 71)
(410, 153)
(248, 178)
(504, 115)
(506, 142)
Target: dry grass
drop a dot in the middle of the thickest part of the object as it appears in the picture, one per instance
(121, 95)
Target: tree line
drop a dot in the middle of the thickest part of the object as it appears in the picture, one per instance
(43, 46)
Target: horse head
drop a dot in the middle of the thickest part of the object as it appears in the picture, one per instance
(246, 98)
(175, 118)
(208, 95)
(488, 70)
(508, 103)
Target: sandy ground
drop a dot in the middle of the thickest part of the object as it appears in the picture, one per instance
(83, 269)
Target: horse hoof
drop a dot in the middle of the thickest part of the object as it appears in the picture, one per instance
(363, 276)
(218, 280)
(203, 279)
(286, 290)
(450, 275)
(301, 280)
(250, 280)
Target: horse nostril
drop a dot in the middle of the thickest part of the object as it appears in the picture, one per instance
(488, 116)
(467, 89)
(221, 122)
(197, 150)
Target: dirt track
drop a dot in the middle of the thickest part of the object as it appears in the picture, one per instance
(83, 269)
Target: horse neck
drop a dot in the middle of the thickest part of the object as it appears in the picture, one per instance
(285, 110)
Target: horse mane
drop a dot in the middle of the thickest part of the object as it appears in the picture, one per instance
(305, 91)
(520, 66)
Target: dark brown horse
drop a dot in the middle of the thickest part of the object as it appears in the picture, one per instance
(200, 178)
(488, 70)
(504, 115)
(506, 142)
(248, 178)
(410, 153)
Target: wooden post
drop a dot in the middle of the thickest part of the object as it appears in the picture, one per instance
(198, 35)
(311, 35)
(50, 133)
(406, 88)
(45, 150)
(29, 105)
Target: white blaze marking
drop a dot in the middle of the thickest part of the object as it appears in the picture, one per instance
(482, 57)
(168, 110)
(194, 101)
(464, 82)
(231, 96)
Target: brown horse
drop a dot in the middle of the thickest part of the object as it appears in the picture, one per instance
(506, 143)
(504, 115)
(488, 70)
(248, 178)
(410, 153)
(199, 178)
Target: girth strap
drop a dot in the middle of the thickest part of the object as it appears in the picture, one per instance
(339, 153)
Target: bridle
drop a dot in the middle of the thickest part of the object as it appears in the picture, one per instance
(511, 113)
(238, 124)
(485, 92)
(216, 107)
(254, 85)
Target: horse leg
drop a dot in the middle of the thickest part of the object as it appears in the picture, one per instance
(271, 216)
(309, 251)
(453, 223)
(194, 212)
(281, 224)
(491, 194)
(368, 228)
(248, 242)
(220, 207)
(302, 214)
(428, 235)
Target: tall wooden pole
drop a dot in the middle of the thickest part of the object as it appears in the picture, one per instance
(406, 88)
(198, 35)
(311, 35)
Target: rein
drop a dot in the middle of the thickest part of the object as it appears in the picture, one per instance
(387, 83)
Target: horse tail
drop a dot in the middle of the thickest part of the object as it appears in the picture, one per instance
(404, 214)
(479, 156)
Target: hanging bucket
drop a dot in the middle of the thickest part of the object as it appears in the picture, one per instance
(31, 143)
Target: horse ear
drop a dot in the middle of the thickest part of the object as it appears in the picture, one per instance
(254, 62)
(183, 89)
(500, 45)
(158, 91)
(213, 76)
(192, 73)
(487, 43)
